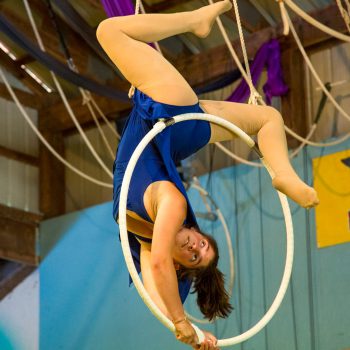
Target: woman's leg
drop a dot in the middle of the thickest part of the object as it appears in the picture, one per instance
(267, 124)
(124, 40)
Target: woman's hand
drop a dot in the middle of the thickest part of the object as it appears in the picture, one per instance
(185, 332)
(209, 342)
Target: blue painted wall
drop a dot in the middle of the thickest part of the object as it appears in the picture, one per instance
(86, 302)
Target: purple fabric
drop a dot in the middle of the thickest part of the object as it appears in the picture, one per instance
(268, 56)
(115, 8)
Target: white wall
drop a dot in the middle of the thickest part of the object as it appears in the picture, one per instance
(332, 65)
(19, 316)
(19, 182)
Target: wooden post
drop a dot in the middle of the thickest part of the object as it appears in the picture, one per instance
(52, 176)
(294, 104)
(18, 235)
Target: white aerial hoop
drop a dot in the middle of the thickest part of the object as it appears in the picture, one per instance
(157, 128)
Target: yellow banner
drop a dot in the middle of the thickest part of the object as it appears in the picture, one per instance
(332, 182)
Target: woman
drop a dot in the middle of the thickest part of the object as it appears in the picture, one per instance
(158, 212)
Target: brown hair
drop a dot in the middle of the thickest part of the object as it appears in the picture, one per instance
(209, 284)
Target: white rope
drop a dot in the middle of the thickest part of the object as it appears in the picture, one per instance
(313, 71)
(98, 109)
(233, 52)
(246, 76)
(283, 16)
(44, 141)
(87, 100)
(63, 96)
(158, 127)
(237, 158)
(244, 52)
(315, 23)
(344, 14)
(318, 144)
(139, 6)
(203, 193)
(102, 134)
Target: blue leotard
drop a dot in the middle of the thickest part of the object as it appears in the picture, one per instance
(157, 162)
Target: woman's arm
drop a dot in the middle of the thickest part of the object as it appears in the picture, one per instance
(170, 215)
(157, 266)
(148, 280)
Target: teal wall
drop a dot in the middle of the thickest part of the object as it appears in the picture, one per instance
(86, 302)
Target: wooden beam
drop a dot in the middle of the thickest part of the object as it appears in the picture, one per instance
(206, 66)
(294, 107)
(52, 177)
(26, 99)
(15, 275)
(8, 64)
(202, 68)
(18, 156)
(18, 235)
(164, 6)
(56, 118)
(49, 37)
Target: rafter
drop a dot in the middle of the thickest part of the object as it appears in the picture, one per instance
(27, 99)
(203, 67)
(18, 235)
(79, 50)
(20, 74)
(56, 117)
(19, 156)
(15, 274)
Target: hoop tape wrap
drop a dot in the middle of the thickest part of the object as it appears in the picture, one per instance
(157, 128)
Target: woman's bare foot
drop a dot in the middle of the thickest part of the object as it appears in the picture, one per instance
(296, 190)
(205, 17)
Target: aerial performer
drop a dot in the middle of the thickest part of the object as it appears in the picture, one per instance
(163, 232)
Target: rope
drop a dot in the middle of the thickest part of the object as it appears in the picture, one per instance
(317, 144)
(241, 38)
(86, 95)
(139, 6)
(235, 157)
(233, 53)
(284, 18)
(313, 71)
(344, 13)
(246, 76)
(315, 23)
(64, 99)
(98, 109)
(44, 141)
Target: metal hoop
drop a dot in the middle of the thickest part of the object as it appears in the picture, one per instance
(157, 128)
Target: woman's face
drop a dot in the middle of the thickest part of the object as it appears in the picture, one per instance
(192, 249)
